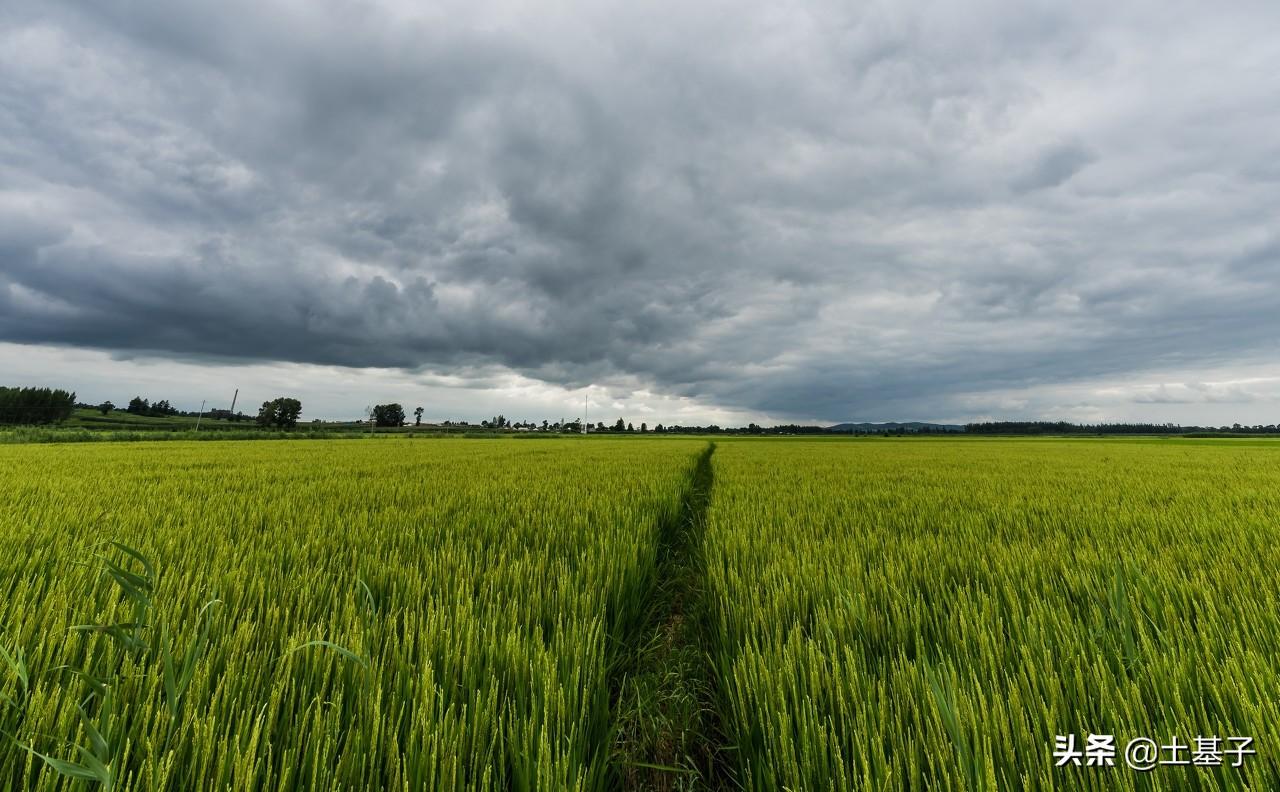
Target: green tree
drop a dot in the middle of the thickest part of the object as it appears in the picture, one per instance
(106, 407)
(417, 416)
(35, 405)
(388, 414)
(620, 426)
(287, 413)
(138, 406)
(267, 414)
(281, 412)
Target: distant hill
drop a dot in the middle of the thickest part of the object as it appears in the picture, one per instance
(910, 426)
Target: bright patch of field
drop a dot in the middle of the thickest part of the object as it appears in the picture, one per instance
(482, 589)
(931, 613)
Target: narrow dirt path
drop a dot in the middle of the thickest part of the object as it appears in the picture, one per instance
(669, 736)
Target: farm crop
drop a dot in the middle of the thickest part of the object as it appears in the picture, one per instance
(585, 614)
(932, 614)
(327, 615)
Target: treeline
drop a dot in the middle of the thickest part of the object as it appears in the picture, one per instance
(31, 406)
(621, 426)
(787, 429)
(1067, 428)
(161, 408)
(279, 413)
(36, 406)
(140, 406)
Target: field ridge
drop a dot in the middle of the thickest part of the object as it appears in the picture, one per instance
(669, 734)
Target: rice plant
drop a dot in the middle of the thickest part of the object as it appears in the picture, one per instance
(932, 614)
(429, 615)
(444, 615)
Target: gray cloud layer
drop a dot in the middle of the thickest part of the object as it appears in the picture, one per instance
(814, 210)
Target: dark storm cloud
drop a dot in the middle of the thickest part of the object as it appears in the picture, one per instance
(817, 211)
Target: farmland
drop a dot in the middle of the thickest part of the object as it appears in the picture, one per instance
(599, 613)
(482, 590)
(891, 613)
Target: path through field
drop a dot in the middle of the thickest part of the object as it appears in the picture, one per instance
(669, 734)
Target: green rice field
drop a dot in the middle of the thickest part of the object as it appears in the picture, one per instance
(932, 614)
(423, 614)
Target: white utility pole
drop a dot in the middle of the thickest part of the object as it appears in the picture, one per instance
(201, 415)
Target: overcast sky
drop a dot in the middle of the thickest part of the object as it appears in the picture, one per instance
(722, 211)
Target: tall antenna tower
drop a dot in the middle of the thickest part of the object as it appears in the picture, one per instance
(584, 413)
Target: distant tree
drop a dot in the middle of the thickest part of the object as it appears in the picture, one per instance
(630, 428)
(106, 407)
(162, 408)
(620, 426)
(544, 424)
(288, 412)
(644, 428)
(417, 416)
(35, 405)
(1065, 428)
(138, 406)
(281, 413)
(267, 414)
(388, 414)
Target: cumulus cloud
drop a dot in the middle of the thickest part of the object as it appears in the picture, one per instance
(886, 210)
